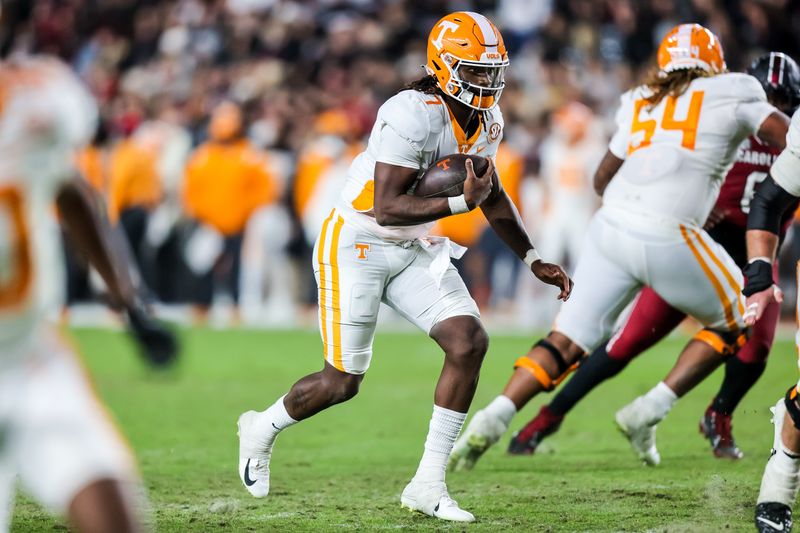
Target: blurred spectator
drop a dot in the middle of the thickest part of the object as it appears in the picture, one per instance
(309, 76)
(569, 156)
(227, 179)
(134, 188)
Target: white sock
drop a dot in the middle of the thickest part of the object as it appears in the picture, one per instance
(442, 433)
(502, 408)
(781, 478)
(276, 419)
(660, 399)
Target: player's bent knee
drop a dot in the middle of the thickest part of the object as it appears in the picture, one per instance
(342, 387)
(564, 367)
(725, 343)
(468, 347)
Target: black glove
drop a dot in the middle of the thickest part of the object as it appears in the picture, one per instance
(758, 277)
(157, 344)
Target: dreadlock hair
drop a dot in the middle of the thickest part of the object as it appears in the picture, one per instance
(672, 83)
(426, 84)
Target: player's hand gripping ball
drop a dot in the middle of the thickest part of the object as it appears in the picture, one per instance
(447, 176)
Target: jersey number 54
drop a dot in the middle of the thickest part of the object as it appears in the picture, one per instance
(687, 126)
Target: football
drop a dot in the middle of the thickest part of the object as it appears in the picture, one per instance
(446, 176)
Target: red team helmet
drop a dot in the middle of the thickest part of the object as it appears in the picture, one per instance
(689, 46)
(467, 40)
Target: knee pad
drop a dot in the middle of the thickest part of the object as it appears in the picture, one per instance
(540, 374)
(791, 405)
(726, 343)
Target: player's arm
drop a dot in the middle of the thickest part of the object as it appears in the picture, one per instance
(395, 207)
(773, 130)
(617, 146)
(776, 193)
(503, 216)
(606, 171)
(90, 232)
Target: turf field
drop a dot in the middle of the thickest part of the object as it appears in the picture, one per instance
(345, 468)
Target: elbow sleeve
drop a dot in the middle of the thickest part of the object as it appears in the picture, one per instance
(768, 206)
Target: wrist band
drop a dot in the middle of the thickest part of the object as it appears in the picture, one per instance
(760, 258)
(757, 276)
(531, 257)
(458, 204)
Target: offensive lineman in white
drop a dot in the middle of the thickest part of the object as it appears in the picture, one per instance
(374, 247)
(781, 479)
(677, 136)
(54, 435)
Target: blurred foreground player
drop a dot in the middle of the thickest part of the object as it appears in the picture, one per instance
(54, 435)
(652, 318)
(374, 246)
(677, 136)
(778, 192)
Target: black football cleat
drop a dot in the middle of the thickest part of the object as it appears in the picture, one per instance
(525, 441)
(773, 517)
(717, 428)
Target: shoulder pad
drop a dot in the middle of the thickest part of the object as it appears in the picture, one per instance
(739, 86)
(414, 116)
(495, 115)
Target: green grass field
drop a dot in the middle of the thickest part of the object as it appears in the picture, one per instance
(345, 468)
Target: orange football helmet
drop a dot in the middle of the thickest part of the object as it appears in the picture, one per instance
(691, 46)
(467, 56)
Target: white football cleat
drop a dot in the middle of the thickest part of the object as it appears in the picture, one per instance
(481, 433)
(254, 455)
(779, 483)
(633, 422)
(433, 500)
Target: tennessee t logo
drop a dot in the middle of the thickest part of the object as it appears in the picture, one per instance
(362, 250)
(444, 164)
(445, 26)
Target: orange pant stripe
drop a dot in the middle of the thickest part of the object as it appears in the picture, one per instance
(335, 295)
(726, 304)
(323, 322)
(732, 283)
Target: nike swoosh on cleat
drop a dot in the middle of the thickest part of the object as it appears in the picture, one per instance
(247, 481)
(436, 509)
(778, 527)
(276, 427)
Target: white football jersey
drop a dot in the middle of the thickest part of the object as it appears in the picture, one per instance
(678, 152)
(412, 130)
(786, 169)
(45, 115)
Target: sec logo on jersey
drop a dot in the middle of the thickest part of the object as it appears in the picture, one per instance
(494, 131)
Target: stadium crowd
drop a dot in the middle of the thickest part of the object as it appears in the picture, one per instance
(227, 125)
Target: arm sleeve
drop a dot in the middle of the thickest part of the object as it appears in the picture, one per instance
(396, 150)
(621, 139)
(768, 206)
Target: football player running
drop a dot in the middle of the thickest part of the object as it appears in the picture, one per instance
(54, 435)
(777, 194)
(677, 136)
(374, 247)
(651, 318)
